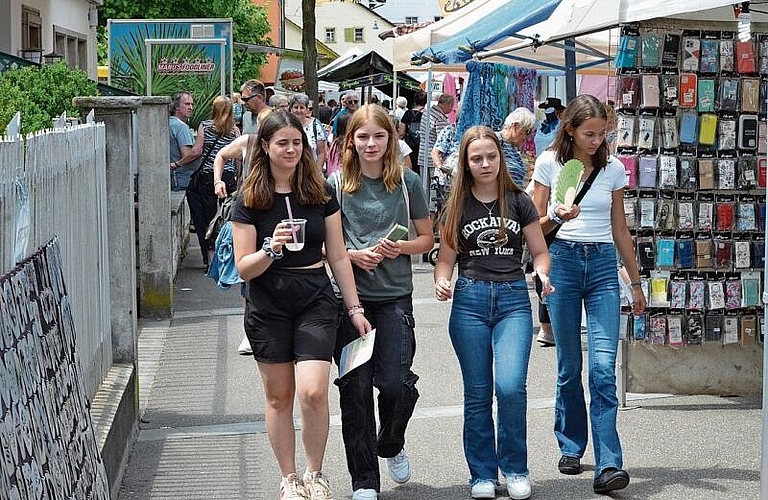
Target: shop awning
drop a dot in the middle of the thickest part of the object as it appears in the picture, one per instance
(368, 70)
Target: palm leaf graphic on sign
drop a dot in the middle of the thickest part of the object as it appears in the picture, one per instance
(568, 181)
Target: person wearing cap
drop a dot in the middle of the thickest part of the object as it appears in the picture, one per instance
(553, 111)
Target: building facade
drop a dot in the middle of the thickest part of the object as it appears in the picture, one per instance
(35, 28)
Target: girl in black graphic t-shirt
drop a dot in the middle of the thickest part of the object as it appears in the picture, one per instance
(485, 222)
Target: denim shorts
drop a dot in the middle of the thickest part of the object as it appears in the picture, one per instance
(291, 315)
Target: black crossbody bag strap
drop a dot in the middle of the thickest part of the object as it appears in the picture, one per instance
(550, 236)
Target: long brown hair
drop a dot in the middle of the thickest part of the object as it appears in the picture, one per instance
(461, 187)
(579, 110)
(350, 164)
(259, 187)
(222, 116)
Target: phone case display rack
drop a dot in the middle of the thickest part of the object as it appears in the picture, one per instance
(691, 134)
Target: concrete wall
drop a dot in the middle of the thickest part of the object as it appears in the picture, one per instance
(707, 369)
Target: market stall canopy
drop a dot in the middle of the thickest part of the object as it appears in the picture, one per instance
(368, 70)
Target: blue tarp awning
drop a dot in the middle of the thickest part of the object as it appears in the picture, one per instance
(507, 18)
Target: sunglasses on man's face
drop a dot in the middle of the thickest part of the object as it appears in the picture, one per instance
(246, 99)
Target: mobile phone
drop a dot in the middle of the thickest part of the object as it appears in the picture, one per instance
(398, 232)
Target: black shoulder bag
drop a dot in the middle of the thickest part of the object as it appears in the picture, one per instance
(194, 180)
(550, 236)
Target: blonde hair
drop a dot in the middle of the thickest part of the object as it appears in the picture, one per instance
(222, 116)
(350, 164)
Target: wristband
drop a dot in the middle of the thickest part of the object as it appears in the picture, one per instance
(635, 283)
(219, 182)
(554, 217)
(356, 309)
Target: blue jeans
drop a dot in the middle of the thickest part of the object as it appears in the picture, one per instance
(491, 331)
(389, 371)
(586, 272)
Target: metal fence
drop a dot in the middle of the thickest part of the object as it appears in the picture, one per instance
(54, 183)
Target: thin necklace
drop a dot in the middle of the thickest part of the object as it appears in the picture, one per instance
(490, 210)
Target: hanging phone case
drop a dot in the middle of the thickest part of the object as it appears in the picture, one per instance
(762, 137)
(691, 51)
(665, 218)
(758, 254)
(688, 87)
(625, 131)
(629, 91)
(684, 253)
(706, 215)
(706, 95)
(742, 255)
(677, 293)
(762, 167)
(732, 293)
(745, 57)
(747, 136)
(665, 252)
(730, 330)
(658, 334)
(710, 56)
(750, 289)
(726, 173)
(747, 172)
(748, 330)
(746, 219)
(671, 50)
(650, 91)
(688, 126)
(648, 167)
(626, 57)
(670, 85)
(708, 129)
(729, 94)
(724, 216)
(630, 204)
(658, 286)
(667, 172)
(726, 136)
(685, 215)
(760, 216)
(750, 95)
(675, 330)
(726, 55)
(669, 132)
(630, 167)
(723, 254)
(646, 253)
(703, 253)
(696, 293)
(647, 208)
(688, 172)
(713, 327)
(763, 97)
(650, 49)
(646, 132)
(715, 295)
(694, 328)
(638, 327)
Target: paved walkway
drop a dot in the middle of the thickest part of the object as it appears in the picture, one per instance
(203, 437)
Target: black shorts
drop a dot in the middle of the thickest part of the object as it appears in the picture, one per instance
(543, 311)
(291, 315)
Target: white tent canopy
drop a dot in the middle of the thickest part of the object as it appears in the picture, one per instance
(590, 22)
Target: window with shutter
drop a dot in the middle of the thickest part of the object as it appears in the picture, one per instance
(349, 34)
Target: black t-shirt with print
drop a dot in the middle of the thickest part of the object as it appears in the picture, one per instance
(482, 256)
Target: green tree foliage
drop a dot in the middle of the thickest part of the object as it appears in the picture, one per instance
(41, 94)
(249, 20)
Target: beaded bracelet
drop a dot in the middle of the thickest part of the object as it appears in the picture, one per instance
(356, 309)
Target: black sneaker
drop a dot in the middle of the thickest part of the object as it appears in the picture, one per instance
(569, 465)
(609, 480)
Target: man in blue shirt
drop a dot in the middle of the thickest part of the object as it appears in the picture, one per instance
(350, 103)
(183, 153)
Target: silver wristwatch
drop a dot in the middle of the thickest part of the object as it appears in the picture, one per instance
(267, 247)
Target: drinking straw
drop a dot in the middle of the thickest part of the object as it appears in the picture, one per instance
(290, 219)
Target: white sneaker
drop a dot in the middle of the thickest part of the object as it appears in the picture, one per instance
(484, 489)
(291, 488)
(519, 487)
(399, 467)
(245, 347)
(365, 494)
(316, 486)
